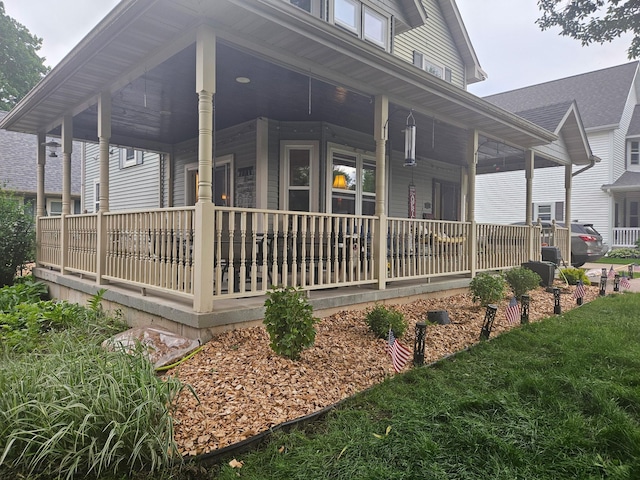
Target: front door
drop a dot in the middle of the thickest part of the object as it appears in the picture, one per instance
(446, 200)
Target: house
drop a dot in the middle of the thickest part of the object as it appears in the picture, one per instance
(327, 145)
(607, 193)
(17, 172)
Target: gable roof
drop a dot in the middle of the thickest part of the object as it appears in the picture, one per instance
(634, 125)
(601, 95)
(547, 116)
(18, 153)
(627, 182)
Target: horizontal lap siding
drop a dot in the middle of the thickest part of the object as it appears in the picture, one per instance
(433, 40)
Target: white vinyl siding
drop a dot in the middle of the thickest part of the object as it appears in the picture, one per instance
(434, 41)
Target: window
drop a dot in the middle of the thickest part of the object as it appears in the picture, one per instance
(363, 21)
(54, 208)
(353, 183)
(633, 214)
(96, 196)
(222, 182)
(548, 211)
(311, 6)
(634, 153)
(429, 66)
(130, 157)
(300, 170)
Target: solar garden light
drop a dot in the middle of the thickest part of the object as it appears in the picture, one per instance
(603, 284)
(556, 301)
(616, 283)
(524, 309)
(630, 267)
(604, 273)
(418, 345)
(489, 317)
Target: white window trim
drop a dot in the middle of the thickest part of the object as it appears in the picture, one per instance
(137, 159)
(191, 167)
(368, 158)
(386, 34)
(314, 193)
(315, 7)
(50, 202)
(426, 60)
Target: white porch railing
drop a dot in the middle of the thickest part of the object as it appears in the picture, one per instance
(625, 237)
(252, 249)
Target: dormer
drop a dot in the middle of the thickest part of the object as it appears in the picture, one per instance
(373, 21)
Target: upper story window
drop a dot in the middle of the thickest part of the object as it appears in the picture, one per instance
(633, 152)
(130, 157)
(435, 69)
(311, 6)
(362, 20)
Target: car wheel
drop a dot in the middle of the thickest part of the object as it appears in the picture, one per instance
(576, 264)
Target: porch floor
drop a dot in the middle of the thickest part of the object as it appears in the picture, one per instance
(177, 315)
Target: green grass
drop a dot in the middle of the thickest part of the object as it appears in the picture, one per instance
(552, 400)
(617, 261)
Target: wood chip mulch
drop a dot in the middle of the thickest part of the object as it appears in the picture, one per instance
(244, 388)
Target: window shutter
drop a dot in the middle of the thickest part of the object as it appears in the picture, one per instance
(139, 158)
(417, 59)
(447, 74)
(560, 211)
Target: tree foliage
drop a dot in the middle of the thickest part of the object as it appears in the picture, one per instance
(593, 21)
(20, 66)
(17, 237)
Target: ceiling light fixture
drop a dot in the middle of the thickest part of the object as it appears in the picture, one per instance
(243, 80)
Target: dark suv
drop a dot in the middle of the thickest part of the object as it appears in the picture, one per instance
(586, 242)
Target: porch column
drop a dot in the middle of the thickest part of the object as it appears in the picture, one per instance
(205, 210)
(381, 119)
(42, 160)
(568, 179)
(528, 214)
(104, 135)
(472, 151)
(67, 142)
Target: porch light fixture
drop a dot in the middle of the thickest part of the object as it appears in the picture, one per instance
(243, 80)
(53, 146)
(410, 141)
(340, 181)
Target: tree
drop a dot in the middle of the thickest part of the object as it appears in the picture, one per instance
(20, 66)
(593, 21)
(17, 237)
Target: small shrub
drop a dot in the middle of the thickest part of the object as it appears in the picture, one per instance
(624, 253)
(17, 237)
(487, 288)
(380, 319)
(289, 320)
(521, 280)
(572, 275)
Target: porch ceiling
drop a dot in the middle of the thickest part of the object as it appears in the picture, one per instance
(143, 53)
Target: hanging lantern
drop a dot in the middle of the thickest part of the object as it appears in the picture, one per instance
(410, 142)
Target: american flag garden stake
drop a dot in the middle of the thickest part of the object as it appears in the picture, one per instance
(513, 311)
(625, 283)
(579, 292)
(399, 353)
(612, 273)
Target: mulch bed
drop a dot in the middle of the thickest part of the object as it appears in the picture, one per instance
(244, 388)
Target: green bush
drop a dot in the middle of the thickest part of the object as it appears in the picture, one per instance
(574, 274)
(521, 280)
(289, 320)
(487, 288)
(17, 237)
(624, 253)
(380, 319)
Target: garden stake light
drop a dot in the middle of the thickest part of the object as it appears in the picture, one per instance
(604, 273)
(556, 301)
(630, 268)
(489, 317)
(616, 283)
(524, 309)
(603, 284)
(418, 345)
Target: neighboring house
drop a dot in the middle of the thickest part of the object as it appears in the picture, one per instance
(312, 143)
(608, 194)
(18, 172)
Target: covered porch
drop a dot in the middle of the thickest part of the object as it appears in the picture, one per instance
(281, 139)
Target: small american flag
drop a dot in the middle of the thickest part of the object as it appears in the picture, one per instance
(513, 311)
(579, 291)
(625, 283)
(399, 353)
(612, 272)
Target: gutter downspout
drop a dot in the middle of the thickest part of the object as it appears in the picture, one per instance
(593, 159)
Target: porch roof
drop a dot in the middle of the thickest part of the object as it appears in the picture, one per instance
(140, 35)
(627, 182)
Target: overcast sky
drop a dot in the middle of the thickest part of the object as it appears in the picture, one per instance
(511, 48)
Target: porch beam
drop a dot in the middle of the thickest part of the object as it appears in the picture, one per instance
(104, 136)
(380, 123)
(67, 146)
(568, 179)
(529, 157)
(40, 205)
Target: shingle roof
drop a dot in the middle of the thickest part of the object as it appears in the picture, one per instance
(600, 95)
(634, 125)
(547, 116)
(625, 181)
(18, 164)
